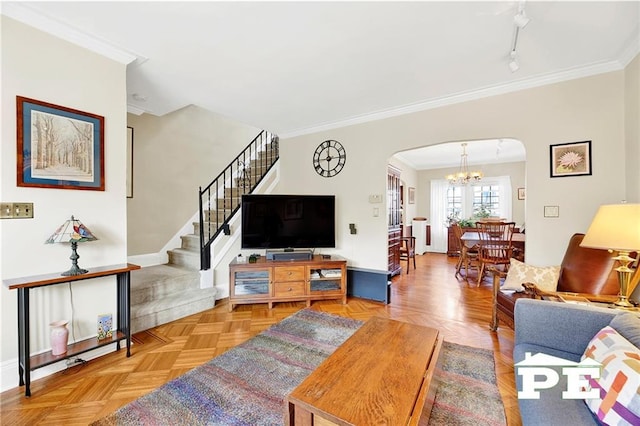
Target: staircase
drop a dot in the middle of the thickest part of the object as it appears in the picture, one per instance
(164, 293)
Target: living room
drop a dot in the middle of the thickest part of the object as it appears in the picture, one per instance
(603, 108)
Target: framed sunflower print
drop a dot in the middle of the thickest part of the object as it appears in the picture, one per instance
(59, 147)
(570, 159)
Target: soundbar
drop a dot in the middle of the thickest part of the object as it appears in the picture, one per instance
(290, 255)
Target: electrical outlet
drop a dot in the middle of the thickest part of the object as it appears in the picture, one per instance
(22, 210)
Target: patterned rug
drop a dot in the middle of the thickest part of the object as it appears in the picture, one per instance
(248, 384)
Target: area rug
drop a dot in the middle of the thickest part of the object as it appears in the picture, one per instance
(248, 384)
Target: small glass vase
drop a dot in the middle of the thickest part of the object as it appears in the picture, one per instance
(59, 337)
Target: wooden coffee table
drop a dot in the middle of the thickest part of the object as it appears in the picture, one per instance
(383, 374)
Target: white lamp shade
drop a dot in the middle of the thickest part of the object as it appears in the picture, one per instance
(615, 227)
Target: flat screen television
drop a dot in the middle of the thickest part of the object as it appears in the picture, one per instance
(272, 221)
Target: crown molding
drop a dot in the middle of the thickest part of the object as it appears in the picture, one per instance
(30, 15)
(629, 53)
(542, 80)
(132, 109)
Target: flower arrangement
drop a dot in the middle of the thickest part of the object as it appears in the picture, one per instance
(480, 212)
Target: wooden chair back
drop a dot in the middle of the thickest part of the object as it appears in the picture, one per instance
(496, 241)
(408, 251)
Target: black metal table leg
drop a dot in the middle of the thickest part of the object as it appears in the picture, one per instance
(24, 367)
(124, 309)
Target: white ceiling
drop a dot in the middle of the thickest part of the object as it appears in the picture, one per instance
(296, 67)
(478, 153)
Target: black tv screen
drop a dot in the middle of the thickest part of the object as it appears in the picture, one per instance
(272, 221)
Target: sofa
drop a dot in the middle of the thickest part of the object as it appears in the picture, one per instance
(565, 330)
(586, 271)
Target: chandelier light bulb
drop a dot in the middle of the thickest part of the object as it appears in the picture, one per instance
(463, 176)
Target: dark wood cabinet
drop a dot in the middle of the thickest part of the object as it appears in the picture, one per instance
(394, 219)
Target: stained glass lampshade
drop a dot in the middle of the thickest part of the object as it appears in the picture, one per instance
(72, 231)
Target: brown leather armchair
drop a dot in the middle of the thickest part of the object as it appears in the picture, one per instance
(585, 271)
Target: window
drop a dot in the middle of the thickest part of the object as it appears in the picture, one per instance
(488, 195)
(487, 198)
(454, 201)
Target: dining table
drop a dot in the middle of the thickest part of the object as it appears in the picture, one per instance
(472, 238)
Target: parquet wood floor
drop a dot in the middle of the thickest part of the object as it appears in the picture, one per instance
(429, 295)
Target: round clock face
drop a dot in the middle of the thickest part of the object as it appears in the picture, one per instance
(329, 158)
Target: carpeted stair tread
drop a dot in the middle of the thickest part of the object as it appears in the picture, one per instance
(159, 281)
(184, 258)
(164, 293)
(171, 307)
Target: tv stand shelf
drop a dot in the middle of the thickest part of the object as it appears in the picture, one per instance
(269, 281)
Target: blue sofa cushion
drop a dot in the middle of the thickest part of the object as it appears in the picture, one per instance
(628, 325)
(551, 409)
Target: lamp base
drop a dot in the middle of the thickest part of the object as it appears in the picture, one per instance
(75, 270)
(623, 302)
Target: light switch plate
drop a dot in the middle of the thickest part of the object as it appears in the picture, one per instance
(6, 210)
(551, 211)
(22, 210)
(16, 210)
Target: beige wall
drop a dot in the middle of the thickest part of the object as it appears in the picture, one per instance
(46, 68)
(632, 129)
(591, 108)
(174, 155)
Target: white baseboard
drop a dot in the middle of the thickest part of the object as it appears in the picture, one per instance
(149, 259)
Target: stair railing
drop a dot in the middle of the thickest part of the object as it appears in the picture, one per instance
(241, 176)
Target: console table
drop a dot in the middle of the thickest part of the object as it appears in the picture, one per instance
(387, 366)
(26, 362)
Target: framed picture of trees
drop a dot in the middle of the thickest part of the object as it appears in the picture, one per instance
(59, 147)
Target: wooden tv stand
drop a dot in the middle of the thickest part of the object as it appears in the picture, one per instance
(383, 374)
(269, 281)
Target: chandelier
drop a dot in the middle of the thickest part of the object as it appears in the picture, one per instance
(464, 175)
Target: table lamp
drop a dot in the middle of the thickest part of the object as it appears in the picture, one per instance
(72, 231)
(616, 227)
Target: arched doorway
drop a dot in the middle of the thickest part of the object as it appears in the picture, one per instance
(501, 161)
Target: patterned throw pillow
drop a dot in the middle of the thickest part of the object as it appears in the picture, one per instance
(619, 382)
(545, 278)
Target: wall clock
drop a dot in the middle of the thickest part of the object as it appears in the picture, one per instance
(329, 158)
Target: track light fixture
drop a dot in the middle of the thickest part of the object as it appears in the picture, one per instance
(513, 64)
(521, 19)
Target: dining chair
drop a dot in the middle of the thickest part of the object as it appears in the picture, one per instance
(496, 247)
(468, 255)
(408, 251)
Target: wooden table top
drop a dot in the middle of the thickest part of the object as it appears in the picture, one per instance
(58, 278)
(472, 236)
(373, 378)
